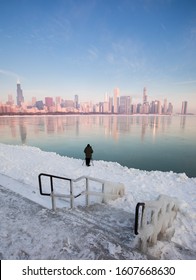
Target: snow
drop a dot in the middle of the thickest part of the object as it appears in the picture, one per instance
(31, 230)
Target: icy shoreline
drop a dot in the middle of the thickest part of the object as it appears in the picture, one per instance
(24, 164)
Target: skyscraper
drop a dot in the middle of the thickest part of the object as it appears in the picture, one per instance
(19, 97)
(110, 104)
(76, 101)
(116, 100)
(184, 108)
(145, 106)
(165, 106)
(49, 101)
(144, 96)
(170, 108)
(125, 105)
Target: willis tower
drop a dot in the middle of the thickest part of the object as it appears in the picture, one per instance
(20, 97)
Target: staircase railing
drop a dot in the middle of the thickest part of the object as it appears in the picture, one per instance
(137, 216)
(154, 220)
(72, 197)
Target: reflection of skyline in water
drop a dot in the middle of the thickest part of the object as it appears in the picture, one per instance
(144, 142)
(112, 126)
(23, 131)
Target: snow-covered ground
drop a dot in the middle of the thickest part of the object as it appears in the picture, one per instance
(31, 230)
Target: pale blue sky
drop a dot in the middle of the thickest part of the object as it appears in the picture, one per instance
(89, 47)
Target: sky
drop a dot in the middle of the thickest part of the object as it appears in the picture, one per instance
(89, 47)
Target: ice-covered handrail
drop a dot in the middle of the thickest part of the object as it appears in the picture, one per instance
(109, 189)
(140, 204)
(157, 216)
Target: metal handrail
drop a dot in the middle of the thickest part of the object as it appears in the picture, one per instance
(139, 204)
(51, 182)
(156, 217)
(71, 196)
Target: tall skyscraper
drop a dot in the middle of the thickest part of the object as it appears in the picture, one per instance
(145, 106)
(110, 104)
(76, 101)
(165, 106)
(184, 108)
(145, 96)
(116, 100)
(158, 107)
(19, 97)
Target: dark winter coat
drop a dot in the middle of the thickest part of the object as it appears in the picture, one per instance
(88, 151)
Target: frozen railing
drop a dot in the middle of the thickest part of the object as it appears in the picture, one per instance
(109, 190)
(152, 221)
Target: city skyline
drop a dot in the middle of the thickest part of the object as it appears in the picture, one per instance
(88, 48)
(116, 104)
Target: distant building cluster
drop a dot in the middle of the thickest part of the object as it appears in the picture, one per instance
(111, 105)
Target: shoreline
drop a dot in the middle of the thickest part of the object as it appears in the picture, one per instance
(92, 114)
(98, 161)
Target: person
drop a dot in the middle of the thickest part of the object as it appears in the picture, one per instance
(88, 152)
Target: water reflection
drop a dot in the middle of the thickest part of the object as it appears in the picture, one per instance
(23, 131)
(110, 126)
(183, 122)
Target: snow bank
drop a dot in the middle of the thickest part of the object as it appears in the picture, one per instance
(156, 221)
(25, 164)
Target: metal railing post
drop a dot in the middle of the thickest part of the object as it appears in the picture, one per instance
(71, 194)
(87, 189)
(103, 189)
(137, 216)
(40, 184)
(51, 184)
(53, 201)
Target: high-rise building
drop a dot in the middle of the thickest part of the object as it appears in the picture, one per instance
(19, 97)
(125, 105)
(58, 100)
(165, 106)
(106, 107)
(145, 106)
(116, 100)
(49, 101)
(184, 108)
(39, 105)
(159, 107)
(145, 97)
(76, 101)
(10, 100)
(170, 109)
(34, 101)
(110, 104)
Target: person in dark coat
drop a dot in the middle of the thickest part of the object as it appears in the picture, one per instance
(88, 152)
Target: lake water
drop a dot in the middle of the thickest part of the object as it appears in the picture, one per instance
(165, 143)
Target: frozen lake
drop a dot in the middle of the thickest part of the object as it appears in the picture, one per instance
(144, 142)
